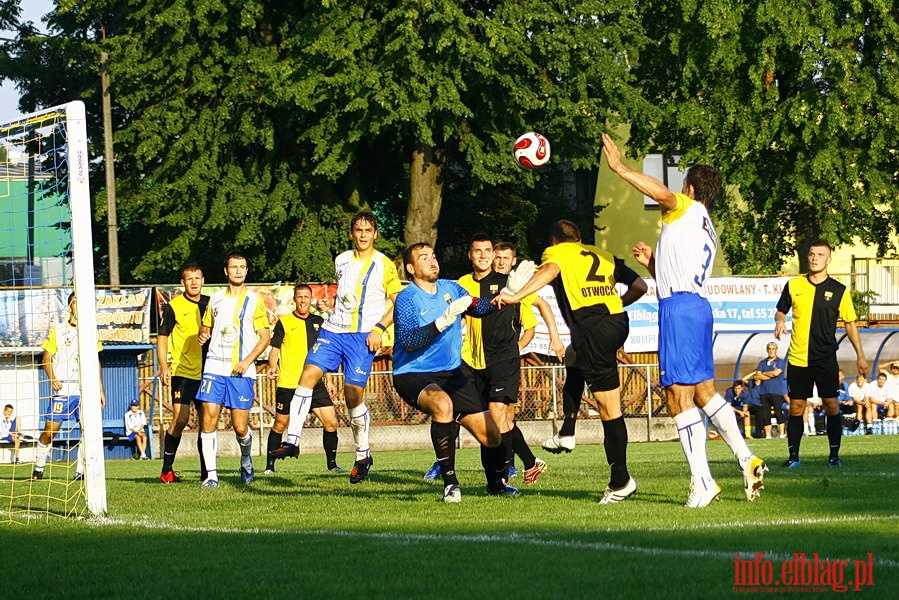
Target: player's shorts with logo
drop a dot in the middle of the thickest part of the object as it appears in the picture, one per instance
(596, 348)
(349, 350)
(184, 390)
(283, 396)
(63, 408)
(230, 392)
(824, 374)
(685, 339)
(499, 382)
(455, 383)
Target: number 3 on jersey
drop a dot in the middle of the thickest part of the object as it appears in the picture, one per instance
(703, 275)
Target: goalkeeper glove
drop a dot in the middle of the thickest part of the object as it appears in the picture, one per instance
(519, 276)
(452, 312)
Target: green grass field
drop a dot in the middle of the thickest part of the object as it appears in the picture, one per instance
(307, 533)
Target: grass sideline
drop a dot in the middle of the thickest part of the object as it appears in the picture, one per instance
(304, 532)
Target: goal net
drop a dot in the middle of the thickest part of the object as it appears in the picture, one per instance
(45, 254)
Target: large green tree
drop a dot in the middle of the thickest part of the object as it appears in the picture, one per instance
(261, 125)
(798, 104)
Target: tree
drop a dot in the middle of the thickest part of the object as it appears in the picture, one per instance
(261, 125)
(797, 103)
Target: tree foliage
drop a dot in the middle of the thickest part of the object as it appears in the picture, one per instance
(797, 102)
(262, 125)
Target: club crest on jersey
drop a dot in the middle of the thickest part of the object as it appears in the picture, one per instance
(447, 299)
(828, 296)
(494, 288)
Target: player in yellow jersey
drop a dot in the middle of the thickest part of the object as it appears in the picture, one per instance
(236, 326)
(181, 357)
(350, 338)
(585, 279)
(294, 335)
(817, 301)
(60, 362)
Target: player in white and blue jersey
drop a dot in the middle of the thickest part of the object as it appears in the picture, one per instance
(350, 338)
(680, 265)
(236, 326)
(427, 357)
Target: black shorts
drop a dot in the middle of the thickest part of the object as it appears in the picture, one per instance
(801, 380)
(184, 390)
(283, 396)
(597, 351)
(455, 383)
(497, 383)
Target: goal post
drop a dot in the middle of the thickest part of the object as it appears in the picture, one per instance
(83, 268)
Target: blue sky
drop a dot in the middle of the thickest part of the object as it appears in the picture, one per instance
(32, 10)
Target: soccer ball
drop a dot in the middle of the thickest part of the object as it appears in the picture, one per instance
(531, 150)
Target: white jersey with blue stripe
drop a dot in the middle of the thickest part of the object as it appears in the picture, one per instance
(363, 286)
(686, 249)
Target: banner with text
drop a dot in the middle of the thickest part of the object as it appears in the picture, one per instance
(738, 304)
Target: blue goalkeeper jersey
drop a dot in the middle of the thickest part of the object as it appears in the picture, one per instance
(419, 347)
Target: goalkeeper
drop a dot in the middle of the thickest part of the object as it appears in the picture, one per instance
(427, 357)
(584, 278)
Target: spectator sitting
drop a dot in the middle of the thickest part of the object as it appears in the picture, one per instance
(812, 408)
(847, 404)
(858, 391)
(135, 423)
(753, 391)
(9, 431)
(738, 398)
(878, 400)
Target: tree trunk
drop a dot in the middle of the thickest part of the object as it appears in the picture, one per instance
(426, 196)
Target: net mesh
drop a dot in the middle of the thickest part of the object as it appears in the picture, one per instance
(35, 268)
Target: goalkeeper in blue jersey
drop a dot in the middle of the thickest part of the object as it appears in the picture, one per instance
(427, 357)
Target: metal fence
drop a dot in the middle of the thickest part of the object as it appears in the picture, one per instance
(540, 399)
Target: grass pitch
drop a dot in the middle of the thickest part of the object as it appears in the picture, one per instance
(307, 533)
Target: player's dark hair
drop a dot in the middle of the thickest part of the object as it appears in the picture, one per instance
(235, 254)
(193, 267)
(479, 237)
(302, 286)
(70, 298)
(407, 253)
(364, 215)
(7, 406)
(706, 183)
(739, 382)
(821, 243)
(564, 231)
(505, 246)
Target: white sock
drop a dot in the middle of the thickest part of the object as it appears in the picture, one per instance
(246, 445)
(299, 410)
(360, 420)
(210, 442)
(725, 421)
(692, 433)
(40, 456)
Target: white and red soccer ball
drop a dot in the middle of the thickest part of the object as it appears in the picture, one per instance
(531, 150)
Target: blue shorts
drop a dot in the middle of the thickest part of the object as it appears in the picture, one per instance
(349, 350)
(7, 439)
(63, 408)
(131, 436)
(685, 340)
(230, 392)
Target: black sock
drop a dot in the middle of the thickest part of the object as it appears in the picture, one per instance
(274, 442)
(494, 462)
(521, 448)
(508, 446)
(443, 438)
(834, 426)
(203, 472)
(170, 449)
(616, 451)
(795, 428)
(329, 443)
(572, 392)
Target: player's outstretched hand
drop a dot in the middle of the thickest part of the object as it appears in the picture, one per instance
(452, 312)
(519, 276)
